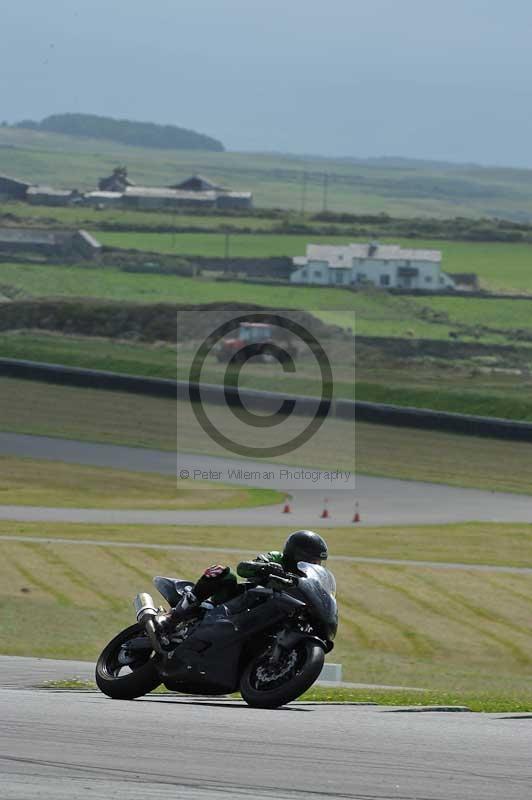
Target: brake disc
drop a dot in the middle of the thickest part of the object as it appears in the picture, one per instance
(265, 675)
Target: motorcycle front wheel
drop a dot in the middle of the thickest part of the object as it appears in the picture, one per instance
(125, 668)
(267, 684)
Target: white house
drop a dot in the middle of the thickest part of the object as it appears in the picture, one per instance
(384, 265)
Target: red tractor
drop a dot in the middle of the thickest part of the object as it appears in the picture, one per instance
(258, 339)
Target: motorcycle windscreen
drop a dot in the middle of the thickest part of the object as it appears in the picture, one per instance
(320, 574)
(319, 587)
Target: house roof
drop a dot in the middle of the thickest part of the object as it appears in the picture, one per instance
(102, 195)
(343, 255)
(89, 239)
(198, 183)
(15, 181)
(247, 195)
(49, 191)
(161, 193)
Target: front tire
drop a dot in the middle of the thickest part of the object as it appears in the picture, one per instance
(262, 686)
(112, 677)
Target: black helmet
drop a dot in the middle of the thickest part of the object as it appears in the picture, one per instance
(304, 546)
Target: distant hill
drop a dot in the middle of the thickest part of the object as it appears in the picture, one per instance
(139, 134)
(417, 189)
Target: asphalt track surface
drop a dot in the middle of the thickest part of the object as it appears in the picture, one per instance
(67, 745)
(382, 501)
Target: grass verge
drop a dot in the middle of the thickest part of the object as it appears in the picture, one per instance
(486, 703)
(491, 703)
(33, 482)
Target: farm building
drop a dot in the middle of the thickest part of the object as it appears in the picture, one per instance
(48, 243)
(118, 181)
(117, 190)
(195, 191)
(225, 198)
(146, 197)
(388, 266)
(103, 199)
(47, 196)
(197, 183)
(12, 188)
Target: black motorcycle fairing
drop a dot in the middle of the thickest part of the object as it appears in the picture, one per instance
(171, 588)
(212, 653)
(316, 587)
(288, 639)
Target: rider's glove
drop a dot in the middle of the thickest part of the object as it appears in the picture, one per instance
(273, 569)
(216, 571)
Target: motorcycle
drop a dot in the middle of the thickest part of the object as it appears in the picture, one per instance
(269, 642)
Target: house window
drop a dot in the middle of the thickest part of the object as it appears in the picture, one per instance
(428, 279)
(338, 276)
(317, 273)
(361, 276)
(385, 280)
(303, 273)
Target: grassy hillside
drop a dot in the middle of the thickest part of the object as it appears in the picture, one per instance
(398, 188)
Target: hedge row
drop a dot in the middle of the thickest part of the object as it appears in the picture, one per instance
(150, 322)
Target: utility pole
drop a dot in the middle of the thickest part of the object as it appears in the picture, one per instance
(303, 192)
(174, 233)
(325, 189)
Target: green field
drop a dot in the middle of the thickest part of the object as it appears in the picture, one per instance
(506, 267)
(452, 630)
(398, 188)
(377, 313)
(86, 217)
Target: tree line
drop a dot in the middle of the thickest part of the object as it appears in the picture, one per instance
(140, 134)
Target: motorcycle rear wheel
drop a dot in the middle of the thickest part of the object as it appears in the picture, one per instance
(142, 678)
(272, 693)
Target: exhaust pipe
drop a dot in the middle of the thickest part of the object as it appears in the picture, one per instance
(144, 606)
(146, 613)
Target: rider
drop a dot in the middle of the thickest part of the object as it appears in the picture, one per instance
(220, 583)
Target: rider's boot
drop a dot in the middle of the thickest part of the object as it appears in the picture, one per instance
(185, 609)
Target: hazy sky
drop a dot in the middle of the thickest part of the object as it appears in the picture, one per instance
(443, 79)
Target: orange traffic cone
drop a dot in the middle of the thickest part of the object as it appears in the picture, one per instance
(286, 507)
(325, 512)
(356, 517)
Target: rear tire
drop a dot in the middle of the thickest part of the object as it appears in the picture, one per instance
(307, 667)
(143, 677)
